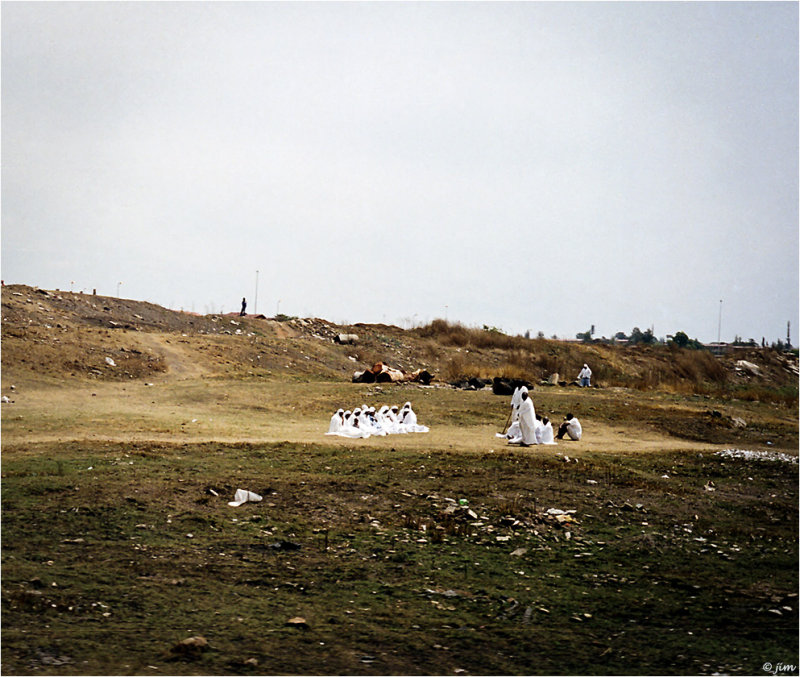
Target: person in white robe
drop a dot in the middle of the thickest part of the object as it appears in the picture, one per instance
(351, 426)
(397, 424)
(539, 429)
(375, 427)
(512, 433)
(570, 427)
(337, 420)
(515, 400)
(381, 418)
(410, 420)
(361, 423)
(585, 376)
(527, 421)
(547, 431)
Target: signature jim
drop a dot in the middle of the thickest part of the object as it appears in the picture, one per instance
(778, 668)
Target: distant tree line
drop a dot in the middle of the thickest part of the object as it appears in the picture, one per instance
(636, 336)
(680, 339)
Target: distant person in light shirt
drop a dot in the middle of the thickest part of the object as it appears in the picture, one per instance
(585, 376)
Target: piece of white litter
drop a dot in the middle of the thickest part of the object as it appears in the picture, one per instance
(243, 496)
(111, 362)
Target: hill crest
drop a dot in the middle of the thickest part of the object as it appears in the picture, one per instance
(55, 335)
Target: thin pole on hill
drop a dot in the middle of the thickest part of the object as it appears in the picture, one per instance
(719, 326)
(255, 304)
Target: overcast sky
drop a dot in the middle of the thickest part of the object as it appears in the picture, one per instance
(539, 166)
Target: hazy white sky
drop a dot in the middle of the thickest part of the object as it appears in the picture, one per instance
(526, 165)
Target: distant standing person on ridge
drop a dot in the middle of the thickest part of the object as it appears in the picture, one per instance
(585, 376)
(244, 305)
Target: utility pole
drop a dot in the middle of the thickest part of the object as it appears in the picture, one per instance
(719, 326)
(255, 305)
(788, 339)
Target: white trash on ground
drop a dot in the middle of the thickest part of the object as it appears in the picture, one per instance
(244, 496)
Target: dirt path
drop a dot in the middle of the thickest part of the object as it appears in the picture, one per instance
(181, 365)
(183, 407)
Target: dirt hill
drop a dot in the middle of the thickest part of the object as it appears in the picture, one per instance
(56, 335)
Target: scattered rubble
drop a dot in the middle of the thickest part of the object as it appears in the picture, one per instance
(190, 647)
(748, 455)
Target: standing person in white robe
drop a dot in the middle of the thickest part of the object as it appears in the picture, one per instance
(516, 398)
(527, 421)
(585, 376)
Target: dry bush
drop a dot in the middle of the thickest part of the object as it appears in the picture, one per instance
(460, 336)
(687, 371)
(444, 333)
(511, 371)
(785, 397)
(368, 356)
(456, 368)
(465, 366)
(698, 366)
(429, 350)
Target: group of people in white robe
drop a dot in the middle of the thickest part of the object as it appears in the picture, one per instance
(528, 428)
(365, 421)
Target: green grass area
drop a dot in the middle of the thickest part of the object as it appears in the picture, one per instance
(113, 554)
